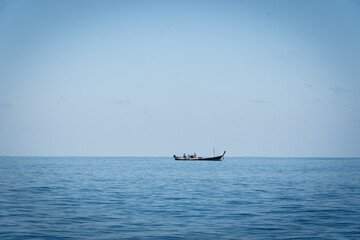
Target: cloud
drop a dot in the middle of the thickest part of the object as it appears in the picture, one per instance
(120, 102)
(339, 90)
(308, 84)
(5, 106)
(258, 101)
(165, 28)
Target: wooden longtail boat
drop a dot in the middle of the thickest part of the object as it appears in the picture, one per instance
(194, 158)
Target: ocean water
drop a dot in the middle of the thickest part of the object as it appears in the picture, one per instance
(159, 198)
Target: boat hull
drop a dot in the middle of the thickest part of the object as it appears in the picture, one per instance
(217, 158)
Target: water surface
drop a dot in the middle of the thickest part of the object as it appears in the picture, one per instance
(159, 198)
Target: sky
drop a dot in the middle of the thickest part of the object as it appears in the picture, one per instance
(157, 78)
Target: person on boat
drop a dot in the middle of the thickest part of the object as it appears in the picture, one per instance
(184, 155)
(194, 154)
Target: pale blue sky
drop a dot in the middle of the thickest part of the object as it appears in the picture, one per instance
(157, 78)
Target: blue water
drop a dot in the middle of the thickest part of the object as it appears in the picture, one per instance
(159, 198)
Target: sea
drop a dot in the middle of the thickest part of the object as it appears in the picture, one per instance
(160, 198)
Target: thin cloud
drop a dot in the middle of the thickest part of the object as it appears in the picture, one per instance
(308, 84)
(165, 28)
(339, 90)
(258, 101)
(120, 102)
(5, 106)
